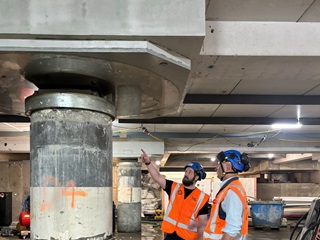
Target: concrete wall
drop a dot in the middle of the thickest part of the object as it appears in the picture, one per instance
(306, 177)
(266, 191)
(15, 178)
(315, 177)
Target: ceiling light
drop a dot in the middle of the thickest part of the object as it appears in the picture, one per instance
(158, 163)
(286, 125)
(213, 159)
(270, 155)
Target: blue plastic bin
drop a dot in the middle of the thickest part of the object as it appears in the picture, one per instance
(266, 214)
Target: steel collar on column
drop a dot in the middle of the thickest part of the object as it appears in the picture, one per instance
(69, 100)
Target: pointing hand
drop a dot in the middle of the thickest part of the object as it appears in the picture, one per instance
(144, 157)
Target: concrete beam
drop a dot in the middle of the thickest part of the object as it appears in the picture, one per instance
(149, 20)
(261, 39)
(121, 149)
(165, 158)
(12, 146)
(293, 158)
(268, 166)
(316, 157)
(14, 156)
(218, 144)
(132, 149)
(103, 18)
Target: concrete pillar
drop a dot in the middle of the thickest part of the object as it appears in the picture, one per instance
(71, 166)
(129, 197)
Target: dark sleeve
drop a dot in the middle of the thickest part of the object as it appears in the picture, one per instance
(167, 189)
(204, 210)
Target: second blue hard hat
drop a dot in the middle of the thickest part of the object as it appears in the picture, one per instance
(241, 162)
(197, 167)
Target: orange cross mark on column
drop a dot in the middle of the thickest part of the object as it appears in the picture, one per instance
(69, 190)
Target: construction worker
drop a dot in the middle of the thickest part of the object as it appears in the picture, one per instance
(186, 214)
(229, 213)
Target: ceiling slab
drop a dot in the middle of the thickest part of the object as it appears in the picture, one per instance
(201, 110)
(261, 39)
(256, 75)
(298, 111)
(224, 128)
(258, 10)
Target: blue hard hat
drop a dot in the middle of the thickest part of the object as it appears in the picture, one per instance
(240, 162)
(197, 167)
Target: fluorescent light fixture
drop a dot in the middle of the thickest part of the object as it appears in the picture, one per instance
(286, 125)
(270, 155)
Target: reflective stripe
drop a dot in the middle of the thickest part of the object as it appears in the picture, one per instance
(181, 225)
(243, 200)
(200, 199)
(198, 205)
(170, 220)
(237, 186)
(219, 236)
(213, 222)
(169, 208)
(212, 236)
(242, 195)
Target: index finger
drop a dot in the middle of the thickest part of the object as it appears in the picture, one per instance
(143, 151)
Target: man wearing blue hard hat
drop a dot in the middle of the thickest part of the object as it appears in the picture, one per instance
(229, 213)
(186, 214)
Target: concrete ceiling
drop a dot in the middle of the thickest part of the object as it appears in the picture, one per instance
(256, 64)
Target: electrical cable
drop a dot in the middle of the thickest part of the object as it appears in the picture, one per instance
(313, 227)
(262, 139)
(295, 228)
(265, 138)
(201, 142)
(229, 141)
(273, 136)
(145, 130)
(124, 129)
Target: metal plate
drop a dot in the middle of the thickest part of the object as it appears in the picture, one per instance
(160, 74)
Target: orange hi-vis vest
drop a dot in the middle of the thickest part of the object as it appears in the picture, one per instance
(180, 212)
(215, 224)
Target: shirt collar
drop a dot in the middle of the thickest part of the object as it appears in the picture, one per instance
(224, 181)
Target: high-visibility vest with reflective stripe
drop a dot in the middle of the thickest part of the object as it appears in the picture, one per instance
(180, 212)
(215, 224)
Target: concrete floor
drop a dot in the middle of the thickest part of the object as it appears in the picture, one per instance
(150, 232)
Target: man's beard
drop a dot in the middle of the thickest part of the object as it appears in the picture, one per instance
(187, 182)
